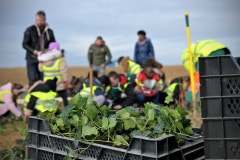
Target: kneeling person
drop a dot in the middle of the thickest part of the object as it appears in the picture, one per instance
(41, 98)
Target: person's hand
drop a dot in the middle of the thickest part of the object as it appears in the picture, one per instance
(117, 107)
(27, 113)
(25, 118)
(102, 65)
(38, 53)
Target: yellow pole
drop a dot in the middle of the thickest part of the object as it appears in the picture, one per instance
(192, 69)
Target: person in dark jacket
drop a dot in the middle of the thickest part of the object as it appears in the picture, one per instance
(122, 94)
(143, 48)
(99, 56)
(36, 40)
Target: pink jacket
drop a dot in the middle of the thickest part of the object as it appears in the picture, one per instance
(8, 104)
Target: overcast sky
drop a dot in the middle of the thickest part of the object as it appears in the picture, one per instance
(76, 24)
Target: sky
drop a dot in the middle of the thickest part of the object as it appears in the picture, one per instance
(77, 23)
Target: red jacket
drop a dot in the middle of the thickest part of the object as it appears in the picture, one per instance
(148, 87)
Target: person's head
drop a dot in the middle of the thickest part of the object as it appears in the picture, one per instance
(148, 70)
(141, 35)
(114, 78)
(99, 41)
(17, 89)
(40, 19)
(52, 84)
(186, 82)
(104, 81)
(54, 46)
(120, 59)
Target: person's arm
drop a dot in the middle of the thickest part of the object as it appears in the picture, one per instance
(135, 53)
(64, 69)
(109, 56)
(129, 100)
(52, 37)
(151, 50)
(27, 41)
(8, 101)
(90, 56)
(32, 102)
(40, 67)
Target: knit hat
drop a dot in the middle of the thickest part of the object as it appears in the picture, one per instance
(52, 84)
(54, 45)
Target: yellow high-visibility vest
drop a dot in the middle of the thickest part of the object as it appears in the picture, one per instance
(170, 89)
(45, 102)
(49, 72)
(2, 92)
(86, 91)
(203, 48)
(133, 68)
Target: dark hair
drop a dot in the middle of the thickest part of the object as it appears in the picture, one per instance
(154, 63)
(104, 80)
(113, 74)
(17, 86)
(141, 32)
(100, 38)
(147, 65)
(186, 78)
(120, 59)
(41, 13)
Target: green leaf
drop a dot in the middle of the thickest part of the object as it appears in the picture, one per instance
(112, 122)
(159, 128)
(176, 115)
(179, 126)
(75, 120)
(129, 123)
(84, 120)
(151, 114)
(60, 123)
(119, 140)
(135, 133)
(165, 111)
(188, 130)
(91, 112)
(104, 123)
(123, 113)
(168, 99)
(89, 130)
(182, 111)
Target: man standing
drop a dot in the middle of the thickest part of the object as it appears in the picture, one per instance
(97, 54)
(36, 39)
(143, 48)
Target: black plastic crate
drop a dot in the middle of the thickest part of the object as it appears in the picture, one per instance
(219, 76)
(220, 107)
(141, 148)
(219, 65)
(222, 149)
(221, 128)
(220, 103)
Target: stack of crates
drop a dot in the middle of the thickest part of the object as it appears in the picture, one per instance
(220, 104)
(42, 145)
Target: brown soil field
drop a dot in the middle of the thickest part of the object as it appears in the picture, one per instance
(19, 75)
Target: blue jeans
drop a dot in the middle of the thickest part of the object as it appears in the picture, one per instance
(33, 73)
(141, 99)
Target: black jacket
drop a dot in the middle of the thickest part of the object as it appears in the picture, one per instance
(31, 41)
(124, 102)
